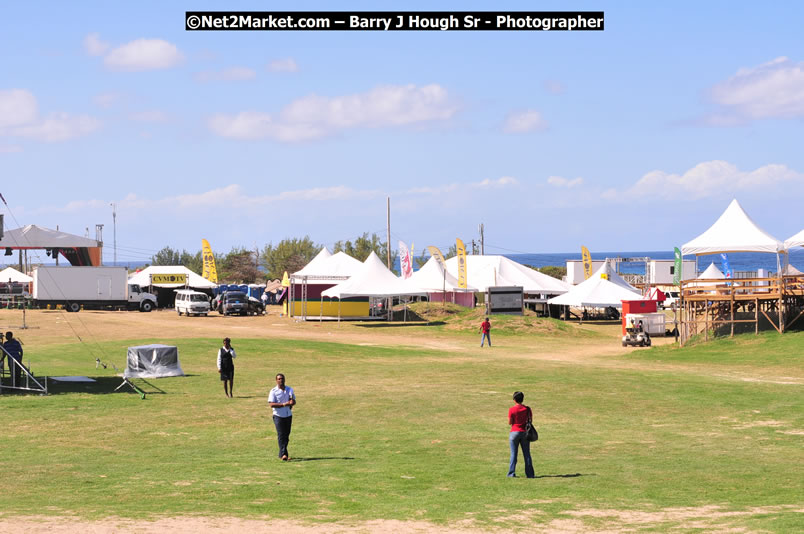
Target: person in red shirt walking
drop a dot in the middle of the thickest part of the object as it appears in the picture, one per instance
(518, 415)
(485, 327)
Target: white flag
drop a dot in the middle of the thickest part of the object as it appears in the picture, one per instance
(404, 261)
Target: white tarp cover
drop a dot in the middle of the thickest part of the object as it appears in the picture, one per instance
(143, 278)
(795, 241)
(33, 236)
(328, 267)
(13, 275)
(152, 361)
(598, 292)
(373, 279)
(734, 231)
(487, 271)
(789, 270)
(431, 278)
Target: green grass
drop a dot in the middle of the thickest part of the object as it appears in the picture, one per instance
(386, 432)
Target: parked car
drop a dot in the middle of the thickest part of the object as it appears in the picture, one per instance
(191, 302)
(231, 303)
(671, 298)
(255, 306)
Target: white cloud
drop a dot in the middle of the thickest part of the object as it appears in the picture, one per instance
(524, 122)
(19, 117)
(94, 46)
(499, 182)
(283, 65)
(555, 87)
(10, 149)
(559, 181)
(144, 54)
(149, 116)
(107, 100)
(233, 74)
(772, 90)
(709, 179)
(59, 127)
(315, 116)
(17, 107)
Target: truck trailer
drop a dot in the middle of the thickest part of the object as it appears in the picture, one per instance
(89, 287)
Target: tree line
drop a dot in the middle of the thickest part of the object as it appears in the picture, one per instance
(241, 265)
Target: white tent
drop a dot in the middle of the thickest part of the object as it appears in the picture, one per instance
(483, 272)
(329, 267)
(734, 231)
(795, 241)
(143, 278)
(33, 236)
(711, 273)
(372, 280)
(599, 292)
(432, 278)
(10, 274)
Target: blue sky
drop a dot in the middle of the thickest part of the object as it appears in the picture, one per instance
(634, 138)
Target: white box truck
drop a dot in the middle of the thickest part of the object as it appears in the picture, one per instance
(90, 287)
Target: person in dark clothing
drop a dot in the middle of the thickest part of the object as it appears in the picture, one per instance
(13, 349)
(226, 366)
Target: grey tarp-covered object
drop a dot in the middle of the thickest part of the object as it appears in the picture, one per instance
(152, 361)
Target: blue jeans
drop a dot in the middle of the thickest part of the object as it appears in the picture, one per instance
(516, 440)
(282, 425)
(484, 337)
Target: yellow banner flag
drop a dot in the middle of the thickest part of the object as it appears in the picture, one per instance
(434, 252)
(285, 280)
(587, 263)
(461, 263)
(209, 272)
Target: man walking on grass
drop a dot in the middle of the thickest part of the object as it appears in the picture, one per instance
(485, 327)
(281, 399)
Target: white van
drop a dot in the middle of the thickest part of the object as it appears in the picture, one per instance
(191, 302)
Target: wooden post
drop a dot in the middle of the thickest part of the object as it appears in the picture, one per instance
(732, 311)
(706, 321)
(756, 316)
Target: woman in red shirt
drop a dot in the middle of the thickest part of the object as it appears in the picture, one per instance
(518, 415)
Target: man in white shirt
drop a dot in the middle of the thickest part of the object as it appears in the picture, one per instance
(281, 399)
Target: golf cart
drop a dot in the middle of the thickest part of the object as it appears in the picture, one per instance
(635, 336)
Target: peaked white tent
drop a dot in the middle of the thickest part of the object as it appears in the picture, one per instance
(431, 278)
(372, 280)
(33, 236)
(734, 231)
(483, 272)
(599, 292)
(10, 274)
(333, 267)
(795, 241)
(143, 278)
(712, 272)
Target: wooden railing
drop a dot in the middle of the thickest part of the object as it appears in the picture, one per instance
(731, 289)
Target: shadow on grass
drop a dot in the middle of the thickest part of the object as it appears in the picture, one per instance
(573, 475)
(398, 325)
(321, 458)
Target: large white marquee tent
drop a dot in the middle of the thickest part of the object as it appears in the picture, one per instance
(483, 272)
(373, 279)
(143, 278)
(734, 231)
(599, 291)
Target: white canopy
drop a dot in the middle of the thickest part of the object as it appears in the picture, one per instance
(734, 231)
(599, 292)
(143, 278)
(795, 241)
(372, 280)
(326, 267)
(432, 278)
(10, 274)
(483, 272)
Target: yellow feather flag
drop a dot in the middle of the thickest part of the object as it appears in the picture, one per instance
(587, 263)
(461, 263)
(210, 272)
(434, 252)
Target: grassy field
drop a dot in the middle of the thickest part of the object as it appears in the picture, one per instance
(705, 438)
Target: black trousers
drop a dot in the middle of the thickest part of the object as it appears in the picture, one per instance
(282, 425)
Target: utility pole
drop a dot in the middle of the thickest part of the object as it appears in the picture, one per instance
(114, 230)
(482, 242)
(388, 221)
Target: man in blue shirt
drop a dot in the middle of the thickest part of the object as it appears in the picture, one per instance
(281, 399)
(13, 348)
